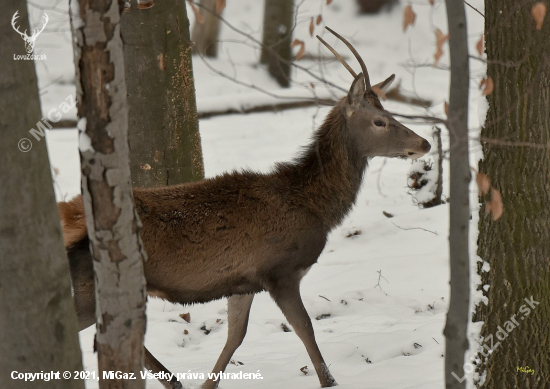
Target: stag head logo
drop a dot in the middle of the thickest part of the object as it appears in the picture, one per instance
(29, 40)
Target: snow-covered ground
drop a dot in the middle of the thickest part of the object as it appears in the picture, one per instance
(388, 336)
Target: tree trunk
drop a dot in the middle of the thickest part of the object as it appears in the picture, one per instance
(277, 35)
(38, 326)
(163, 124)
(516, 246)
(112, 222)
(205, 34)
(456, 339)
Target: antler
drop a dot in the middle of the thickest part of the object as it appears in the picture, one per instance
(342, 61)
(359, 59)
(37, 32)
(23, 34)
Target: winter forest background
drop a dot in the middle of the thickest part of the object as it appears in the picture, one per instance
(379, 295)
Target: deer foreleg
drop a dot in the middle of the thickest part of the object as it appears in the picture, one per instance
(288, 299)
(238, 310)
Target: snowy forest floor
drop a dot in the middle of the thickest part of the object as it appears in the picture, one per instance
(379, 293)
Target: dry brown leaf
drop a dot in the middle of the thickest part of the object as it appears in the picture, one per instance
(408, 17)
(379, 92)
(446, 108)
(186, 317)
(329, 1)
(302, 50)
(198, 15)
(483, 183)
(479, 45)
(145, 4)
(145, 167)
(495, 205)
(431, 2)
(220, 5)
(319, 20)
(311, 27)
(482, 82)
(440, 40)
(489, 86)
(539, 12)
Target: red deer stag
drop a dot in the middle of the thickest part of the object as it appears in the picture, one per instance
(243, 232)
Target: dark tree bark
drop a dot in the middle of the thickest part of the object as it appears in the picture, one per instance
(163, 124)
(374, 6)
(38, 326)
(205, 34)
(456, 339)
(112, 222)
(517, 246)
(277, 36)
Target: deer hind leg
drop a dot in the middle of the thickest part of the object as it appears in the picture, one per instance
(82, 277)
(152, 364)
(288, 299)
(238, 310)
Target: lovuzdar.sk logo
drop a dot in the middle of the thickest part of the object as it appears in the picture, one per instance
(29, 40)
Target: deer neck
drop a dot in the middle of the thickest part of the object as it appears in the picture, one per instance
(327, 176)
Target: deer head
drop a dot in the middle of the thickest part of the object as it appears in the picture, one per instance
(29, 40)
(376, 131)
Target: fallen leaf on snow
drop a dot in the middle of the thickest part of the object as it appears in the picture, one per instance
(408, 17)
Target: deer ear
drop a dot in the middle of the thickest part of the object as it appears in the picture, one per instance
(356, 93)
(385, 85)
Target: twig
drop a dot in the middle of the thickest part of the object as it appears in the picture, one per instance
(380, 276)
(427, 119)
(259, 89)
(325, 298)
(474, 8)
(415, 228)
(379, 176)
(273, 52)
(506, 143)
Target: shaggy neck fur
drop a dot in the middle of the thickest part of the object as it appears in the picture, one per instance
(327, 176)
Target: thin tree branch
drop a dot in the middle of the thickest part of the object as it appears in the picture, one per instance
(474, 8)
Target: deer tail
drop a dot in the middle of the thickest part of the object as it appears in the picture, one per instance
(73, 221)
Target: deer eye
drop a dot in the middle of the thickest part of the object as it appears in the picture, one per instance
(379, 123)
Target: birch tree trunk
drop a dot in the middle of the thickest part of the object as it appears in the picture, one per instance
(517, 160)
(38, 326)
(205, 34)
(456, 340)
(277, 36)
(112, 222)
(163, 122)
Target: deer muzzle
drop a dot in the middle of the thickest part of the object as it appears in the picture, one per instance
(418, 151)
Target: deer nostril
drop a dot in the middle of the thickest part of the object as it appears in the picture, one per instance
(426, 145)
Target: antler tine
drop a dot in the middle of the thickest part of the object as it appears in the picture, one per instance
(13, 19)
(342, 61)
(38, 31)
(359, 59)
